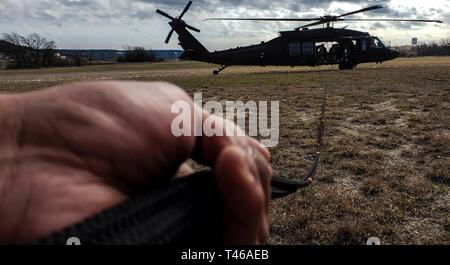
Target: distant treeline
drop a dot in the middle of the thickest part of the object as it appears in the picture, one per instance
(34, 51)
(113, 55)
(135, 54)
(441, 48)
(435, 49)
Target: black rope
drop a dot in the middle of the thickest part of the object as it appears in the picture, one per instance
(282, 187)
(186, 211)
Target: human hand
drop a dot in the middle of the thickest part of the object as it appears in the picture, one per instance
(69, 152)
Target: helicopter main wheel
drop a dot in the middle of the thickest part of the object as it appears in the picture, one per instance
(216, 72)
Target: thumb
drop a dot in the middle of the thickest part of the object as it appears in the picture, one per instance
(243, 197)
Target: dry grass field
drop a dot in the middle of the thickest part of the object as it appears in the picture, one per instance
(385, 168)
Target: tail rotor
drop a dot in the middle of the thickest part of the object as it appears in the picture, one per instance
(177, 21)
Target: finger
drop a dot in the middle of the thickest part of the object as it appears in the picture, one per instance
(265, 175)
(209, 147)
(228, 133)
(209, 150)
(243, 197)
(255, 144)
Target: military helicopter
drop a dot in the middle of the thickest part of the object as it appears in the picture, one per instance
(299, 47)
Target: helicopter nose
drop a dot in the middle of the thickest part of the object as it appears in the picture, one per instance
(393, 54)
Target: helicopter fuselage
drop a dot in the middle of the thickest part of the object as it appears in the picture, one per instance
(299, 47)
(314, 47)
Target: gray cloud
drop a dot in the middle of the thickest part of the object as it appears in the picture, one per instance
(75, 22)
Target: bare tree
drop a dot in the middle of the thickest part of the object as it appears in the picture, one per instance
(29, 51)
(441, 48)
(445, 44)
(11, 46)
(136, 54)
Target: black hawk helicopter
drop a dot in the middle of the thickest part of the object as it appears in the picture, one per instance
(299, 47)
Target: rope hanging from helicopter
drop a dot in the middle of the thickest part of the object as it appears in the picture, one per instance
(282, 187)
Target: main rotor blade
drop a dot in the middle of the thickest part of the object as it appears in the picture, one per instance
(169, 36)
(310, 25)
(192, 28)
(186, 9)
(393, 20)
(162, 13)
(362, 10)
(264, 19)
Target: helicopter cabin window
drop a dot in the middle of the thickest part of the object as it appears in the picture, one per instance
(295, 49)
(308, 48)
(364, 45)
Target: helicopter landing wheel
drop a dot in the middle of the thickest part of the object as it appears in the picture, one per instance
(223, 67)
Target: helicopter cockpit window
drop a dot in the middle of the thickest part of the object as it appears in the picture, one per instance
(376, 43)
(295, 49)
(308, 48)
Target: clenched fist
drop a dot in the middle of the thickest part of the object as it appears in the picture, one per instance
(70, 152)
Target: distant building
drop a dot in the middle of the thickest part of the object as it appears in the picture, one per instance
(76, 59)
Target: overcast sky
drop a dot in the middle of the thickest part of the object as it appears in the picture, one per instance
(115, 23)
